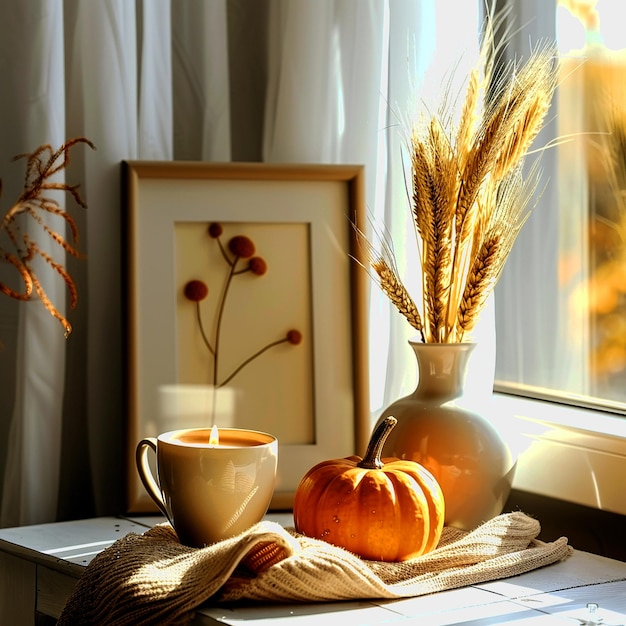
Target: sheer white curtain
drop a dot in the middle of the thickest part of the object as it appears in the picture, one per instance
(33, 339)
(275, 80)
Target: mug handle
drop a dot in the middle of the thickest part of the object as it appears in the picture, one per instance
(145, 473)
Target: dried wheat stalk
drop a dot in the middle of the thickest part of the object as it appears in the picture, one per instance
(469, 199)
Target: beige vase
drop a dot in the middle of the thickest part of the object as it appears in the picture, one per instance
(460, 446)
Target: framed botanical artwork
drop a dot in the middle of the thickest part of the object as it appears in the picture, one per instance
(246, 308)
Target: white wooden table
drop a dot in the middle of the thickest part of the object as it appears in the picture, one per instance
(39, 566)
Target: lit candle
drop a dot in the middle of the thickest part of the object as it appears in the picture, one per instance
(214, 437)
(231, 439)
(214, 440)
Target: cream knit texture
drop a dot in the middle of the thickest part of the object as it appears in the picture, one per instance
(153, 579)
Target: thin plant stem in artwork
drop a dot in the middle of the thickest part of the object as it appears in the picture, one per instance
(293, 337)
(220, 314)
(205, 339)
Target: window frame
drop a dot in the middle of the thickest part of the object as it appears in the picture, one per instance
(570, 453)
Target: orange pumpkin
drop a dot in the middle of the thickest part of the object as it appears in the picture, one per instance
(382, 510)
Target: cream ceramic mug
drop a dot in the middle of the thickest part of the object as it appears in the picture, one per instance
(209, 491)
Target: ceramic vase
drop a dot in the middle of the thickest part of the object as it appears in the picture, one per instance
(459, 445)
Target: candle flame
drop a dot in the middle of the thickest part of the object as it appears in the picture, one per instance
(214, 438)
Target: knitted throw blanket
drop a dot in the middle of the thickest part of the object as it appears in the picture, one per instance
(153, 579)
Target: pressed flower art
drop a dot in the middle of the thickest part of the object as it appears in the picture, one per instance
(240, 258)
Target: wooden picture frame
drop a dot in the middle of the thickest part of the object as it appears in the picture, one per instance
(313, 394)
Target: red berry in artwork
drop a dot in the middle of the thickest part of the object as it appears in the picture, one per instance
(241, 246)
(257, 265)
(294, 337)
(215, 230)
(196, 290)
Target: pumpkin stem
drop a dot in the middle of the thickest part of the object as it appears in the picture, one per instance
(371, 460)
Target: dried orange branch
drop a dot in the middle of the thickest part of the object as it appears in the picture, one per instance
(41, 166)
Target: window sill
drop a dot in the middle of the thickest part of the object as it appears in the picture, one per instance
(565, 452)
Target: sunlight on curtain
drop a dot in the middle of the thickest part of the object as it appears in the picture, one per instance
(155, 70)
(200, 80)
(428, 54)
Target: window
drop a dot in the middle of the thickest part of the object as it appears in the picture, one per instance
(561, 302)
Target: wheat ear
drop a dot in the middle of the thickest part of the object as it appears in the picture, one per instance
(510, 198)
(391, 284)
(382, 268)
